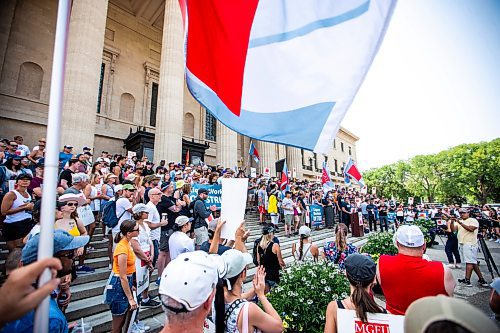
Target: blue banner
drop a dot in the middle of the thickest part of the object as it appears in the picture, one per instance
(316, 215)
(214, 194)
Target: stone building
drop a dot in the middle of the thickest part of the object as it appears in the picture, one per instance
(125, 87)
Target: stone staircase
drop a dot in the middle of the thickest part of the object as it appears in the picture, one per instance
(87, 289)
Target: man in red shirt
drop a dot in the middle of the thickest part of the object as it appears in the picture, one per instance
(406, 277)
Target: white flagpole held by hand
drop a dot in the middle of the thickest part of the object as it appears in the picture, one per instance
(46, 245)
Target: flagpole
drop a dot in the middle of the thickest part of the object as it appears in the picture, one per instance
(46, 244)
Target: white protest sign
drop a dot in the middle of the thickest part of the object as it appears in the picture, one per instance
(364, 190)
(294, 173)
(410, 200)
(142, 274)
(360, 218)
(233, 204)
(12, 185)
(85, 214)
(134, 314)
(358, 201)
(347, 322)
(131, 154)
(253, 172)
(374, 190)
(267, 172)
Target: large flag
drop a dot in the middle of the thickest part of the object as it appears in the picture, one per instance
(350, 170)
(265, 69)
(326, 180)
(284, 178)
(253, 152)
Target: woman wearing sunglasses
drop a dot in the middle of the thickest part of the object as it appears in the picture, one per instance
(72, 225)
(119, 296)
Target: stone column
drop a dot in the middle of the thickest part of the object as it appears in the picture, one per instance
(267, 151)
(170, 114)
(227, 146)
(83, 69)
(294, 160)
(281, 152)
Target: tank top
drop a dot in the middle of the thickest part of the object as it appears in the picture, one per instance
(406, 279)
(22, 215)
(269, 260)
(232, 312)
(306, 252)
(73, 231)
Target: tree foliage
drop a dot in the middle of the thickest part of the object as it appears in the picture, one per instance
(465, 173)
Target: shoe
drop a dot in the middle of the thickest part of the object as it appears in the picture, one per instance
(465, 282)
(451, 266)
(84, 270)
(497, 241)
(483, 283)
(150, 304)
(142, 326)
(135, 329)
(458, 266)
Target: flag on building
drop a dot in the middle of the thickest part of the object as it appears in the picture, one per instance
(284, 178)
(267, 68)
(253, 152)
(351, 171)
(326, 180)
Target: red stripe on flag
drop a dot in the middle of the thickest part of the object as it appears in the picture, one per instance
(353, 171)
(218, 36)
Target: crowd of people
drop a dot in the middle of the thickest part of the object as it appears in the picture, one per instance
(148, 216)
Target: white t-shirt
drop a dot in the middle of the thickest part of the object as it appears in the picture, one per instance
(143, 238)
(153, 217)
(122, 204)
(25, 151)
(179, 243)
(287, 205)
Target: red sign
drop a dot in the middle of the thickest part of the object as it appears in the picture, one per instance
(370, 327)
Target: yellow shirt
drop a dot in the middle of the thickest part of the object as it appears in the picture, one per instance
(273, 205)
(124, 247)
(467, 237)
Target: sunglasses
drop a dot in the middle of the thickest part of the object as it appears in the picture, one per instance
(71, 204)
(69, 255)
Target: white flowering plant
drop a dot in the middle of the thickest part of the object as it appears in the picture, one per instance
(304, 292)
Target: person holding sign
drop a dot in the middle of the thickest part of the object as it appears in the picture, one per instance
(200, 213)
(360, 271)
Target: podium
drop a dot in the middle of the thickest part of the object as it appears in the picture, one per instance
(357, 227)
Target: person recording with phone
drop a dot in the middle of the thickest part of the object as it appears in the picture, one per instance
(451, 246)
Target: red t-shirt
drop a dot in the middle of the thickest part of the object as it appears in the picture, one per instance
(404, 279)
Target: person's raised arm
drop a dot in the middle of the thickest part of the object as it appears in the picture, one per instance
(214, 246)
(241, 236)
(268, 320)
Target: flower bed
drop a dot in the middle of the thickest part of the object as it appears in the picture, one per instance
(304, 293)
(428, 228)
(378, 244)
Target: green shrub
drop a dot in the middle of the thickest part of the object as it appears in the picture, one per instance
(378, 244)
(304, 293)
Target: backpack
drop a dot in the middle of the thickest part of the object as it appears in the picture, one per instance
(109, 214)
(254, 251)
(191, 206)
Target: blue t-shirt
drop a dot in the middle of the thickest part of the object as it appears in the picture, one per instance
(57, 321)
(64, 158)
(206, 247)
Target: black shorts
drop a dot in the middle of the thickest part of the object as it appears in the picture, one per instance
(496, 224)
(164, 237)
(17, 230)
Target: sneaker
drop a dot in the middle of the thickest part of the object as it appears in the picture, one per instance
(150, 304)
(451, 266)
(497, 241)
(135, 329)
(465, 282)
(458, 266)
(483, 283)
(142, 326)
(84, 270)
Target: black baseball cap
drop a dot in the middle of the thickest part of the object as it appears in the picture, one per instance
(360, 268)
(202, 190)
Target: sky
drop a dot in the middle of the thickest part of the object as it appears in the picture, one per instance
(434, 84)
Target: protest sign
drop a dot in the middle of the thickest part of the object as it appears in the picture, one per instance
(214, 194)
(410, 200)
(294, 173)
(142, 275)
(85, 214)
(374, 190)
(233, 204)
(360, 218)
(253, 172)
(316, 215)
(131, 154)
(347, 322)
(357, 201)
(267, 172)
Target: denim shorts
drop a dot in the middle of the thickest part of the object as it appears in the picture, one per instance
(115, 296)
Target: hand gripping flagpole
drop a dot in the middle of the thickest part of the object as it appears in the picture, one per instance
(46, 244)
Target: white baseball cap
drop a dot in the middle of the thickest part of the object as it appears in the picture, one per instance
(234, 262)
(139, 208)
(190, 279)
(304, 230)
(409, 236)
(181, 220)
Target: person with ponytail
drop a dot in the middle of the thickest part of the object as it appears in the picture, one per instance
(269, 256)
(305, 250)
(360, 271)
(119, 288)
(337, 251)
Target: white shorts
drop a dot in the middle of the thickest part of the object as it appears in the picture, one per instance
(468, 253)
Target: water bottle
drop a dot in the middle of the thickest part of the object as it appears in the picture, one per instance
(82, 327)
